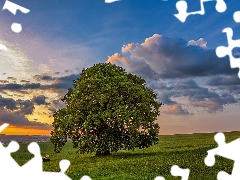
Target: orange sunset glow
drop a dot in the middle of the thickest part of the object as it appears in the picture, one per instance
(12, 130)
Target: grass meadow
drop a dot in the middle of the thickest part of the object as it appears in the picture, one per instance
(186, 151)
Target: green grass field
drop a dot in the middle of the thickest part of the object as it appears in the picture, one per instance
(187, 151)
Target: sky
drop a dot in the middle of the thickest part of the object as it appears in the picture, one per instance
(199, 90)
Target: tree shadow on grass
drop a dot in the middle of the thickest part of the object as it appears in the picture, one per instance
(134, 154)
(127, 155)
(142, 154)
(197, 154)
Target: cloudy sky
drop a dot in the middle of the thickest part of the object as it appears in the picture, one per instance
(59, 38)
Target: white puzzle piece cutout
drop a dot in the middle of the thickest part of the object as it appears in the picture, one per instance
(182, 7)
(10, 169)
(5, 156)
(33, 166)
(229, 151)
(12, 7)
(177, 171)
(159, 178)
(111, 1)
(3, 47)
(7, 162)
(222, 51)
(3, 126)
(236, 16)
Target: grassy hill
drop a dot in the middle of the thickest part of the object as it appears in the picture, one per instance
(186, 151)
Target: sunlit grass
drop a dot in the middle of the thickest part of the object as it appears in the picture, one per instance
(186, 151)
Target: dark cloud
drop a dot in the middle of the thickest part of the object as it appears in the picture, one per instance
(14, 111)
(21, 121)
(203, 97)
(144, 70)
(164, 91)
(166, 98)
(11, 86)
(39, 100)
(12, 78)
(64, 83)
(25, 81)
(19, 87)
(8, 103)
(227, 98)
(223, 81)
(43, 77)
(4, 81)
(197, 96)
(162, 57)
(25, 107)
(234, 90)
(230, 84)
(31, 86)
(17, 106)
(169, 63)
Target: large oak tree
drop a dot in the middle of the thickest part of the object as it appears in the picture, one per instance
(107, 110)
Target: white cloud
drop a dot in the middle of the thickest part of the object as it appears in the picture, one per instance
(171, 65)
(164, 57)
(201, 43)
(117, 57)
(14, 62)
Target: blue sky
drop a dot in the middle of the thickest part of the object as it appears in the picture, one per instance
(60, 38)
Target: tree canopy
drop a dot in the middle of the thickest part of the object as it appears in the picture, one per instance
(107, 110)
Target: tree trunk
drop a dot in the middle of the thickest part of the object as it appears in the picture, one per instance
(102, 153)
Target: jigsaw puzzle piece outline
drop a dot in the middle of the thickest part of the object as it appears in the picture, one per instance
(3, 47)
(182, 7)
(3, 126)
(6, 169)
(33, 168)
(34, 165)
(236, 16)
(177, 171)
(12, 7)
(111, 1)
(222, 51)
(159, 178)
(227, 150)
(5, 153)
